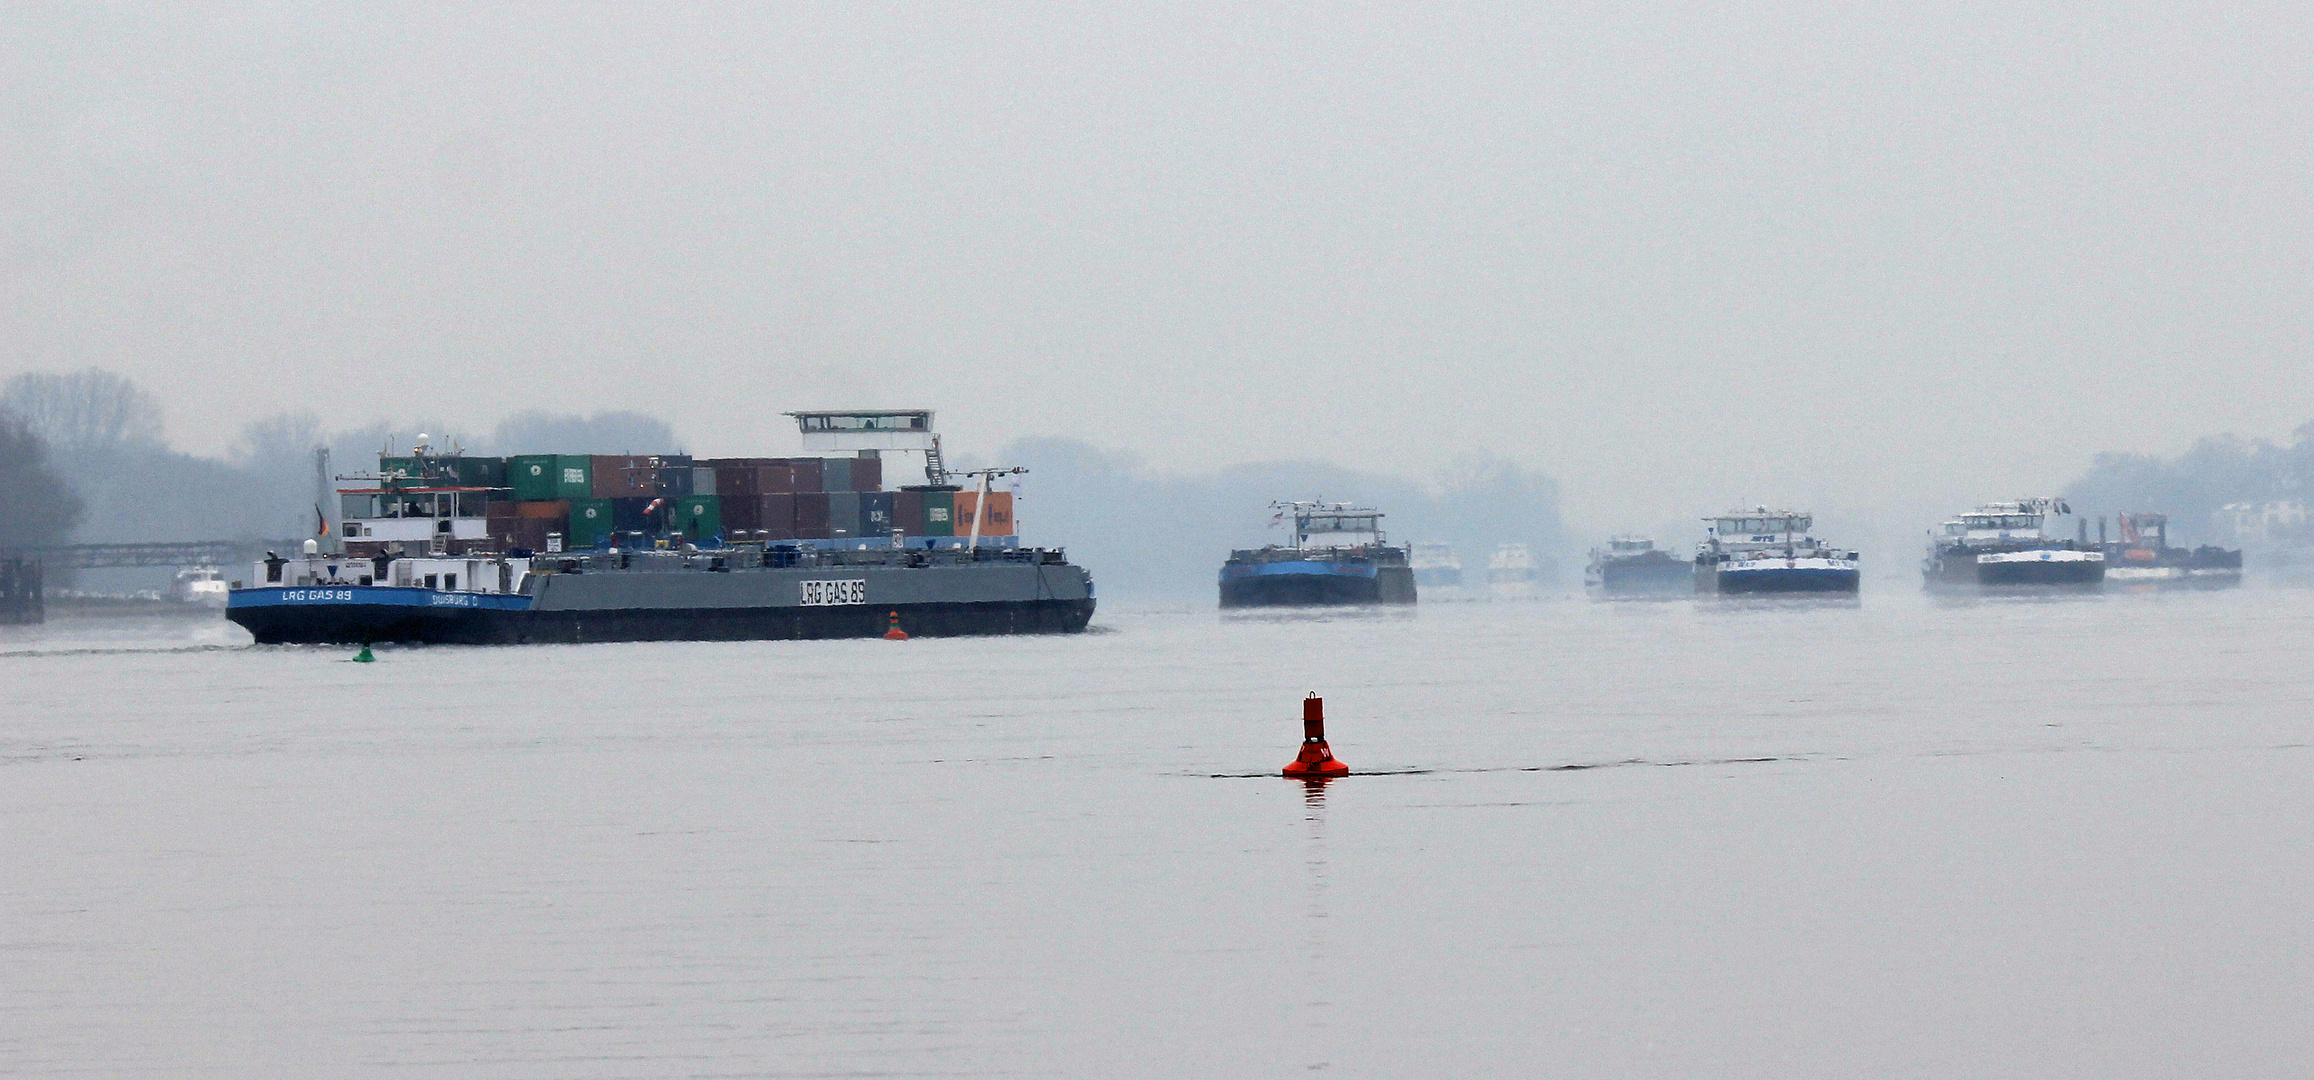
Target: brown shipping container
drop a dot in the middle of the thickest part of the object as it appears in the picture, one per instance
(999, 521)
(792, 475)
(811, 515)
(775, 516)
(557, 510)
(499, 508)
(736, 480)
(623, 477)
(867, 474)
(908, 512)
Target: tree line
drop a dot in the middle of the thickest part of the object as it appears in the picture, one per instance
(84, 458)
(2194, 488)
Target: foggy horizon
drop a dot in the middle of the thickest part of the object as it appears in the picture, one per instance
(1893, 261)
(623, 767)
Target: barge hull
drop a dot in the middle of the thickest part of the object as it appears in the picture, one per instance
(1784, 580)
(1667, 576)
(2069, 572)
(1386, 585)
(357, 623)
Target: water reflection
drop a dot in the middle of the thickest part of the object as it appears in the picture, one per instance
(1363, 612)
(1956, 600)
(1778, 601)
(1315, 945)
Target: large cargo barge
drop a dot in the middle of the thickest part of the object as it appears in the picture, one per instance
(1763, 551)
(1339, 556)
(1634, 566)
(2001, 545)
(564, 548)
(729, 594)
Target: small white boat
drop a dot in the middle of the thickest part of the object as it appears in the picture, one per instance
(204, 586)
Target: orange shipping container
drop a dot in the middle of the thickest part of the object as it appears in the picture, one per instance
(999, 521)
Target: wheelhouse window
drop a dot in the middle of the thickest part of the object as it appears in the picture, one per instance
(865, 422)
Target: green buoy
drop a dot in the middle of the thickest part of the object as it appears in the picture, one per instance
(364, 657)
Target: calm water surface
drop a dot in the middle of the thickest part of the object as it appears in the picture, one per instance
(2065, 838)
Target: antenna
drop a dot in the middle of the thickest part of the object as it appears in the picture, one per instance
(324, 495)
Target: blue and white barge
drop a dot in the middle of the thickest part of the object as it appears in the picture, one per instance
(1339, 556)
(1771, 551)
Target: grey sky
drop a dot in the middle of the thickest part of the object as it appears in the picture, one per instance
(1864, 256)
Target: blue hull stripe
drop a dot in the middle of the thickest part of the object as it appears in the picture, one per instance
(1306, 567)
(341, 596)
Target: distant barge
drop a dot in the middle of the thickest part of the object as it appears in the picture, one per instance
(2006, 544)
(1634, 566)
(1339, 556)
(1763, 551)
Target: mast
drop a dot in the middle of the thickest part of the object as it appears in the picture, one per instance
(324, 498)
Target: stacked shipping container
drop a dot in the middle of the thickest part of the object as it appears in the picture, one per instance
(588, 500)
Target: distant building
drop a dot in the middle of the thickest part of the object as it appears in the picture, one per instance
(2266, 524)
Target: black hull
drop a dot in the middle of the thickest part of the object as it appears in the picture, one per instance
(356, 624)
(2009, 574)
(1960, 571)
(1761, 584)
(1951, 571)
(1646, 579)
(1389, 585)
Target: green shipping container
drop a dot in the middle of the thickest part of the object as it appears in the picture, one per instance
(699, 517)
(576, 476)
(534, 477)
(939, 513)
(590, 522)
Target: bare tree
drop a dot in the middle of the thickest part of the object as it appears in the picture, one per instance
(84, 410)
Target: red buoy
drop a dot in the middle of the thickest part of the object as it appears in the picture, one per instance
(1316, 759)
(895, 633)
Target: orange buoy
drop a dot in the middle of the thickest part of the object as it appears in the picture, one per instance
(1316, 759)
(895, 633)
